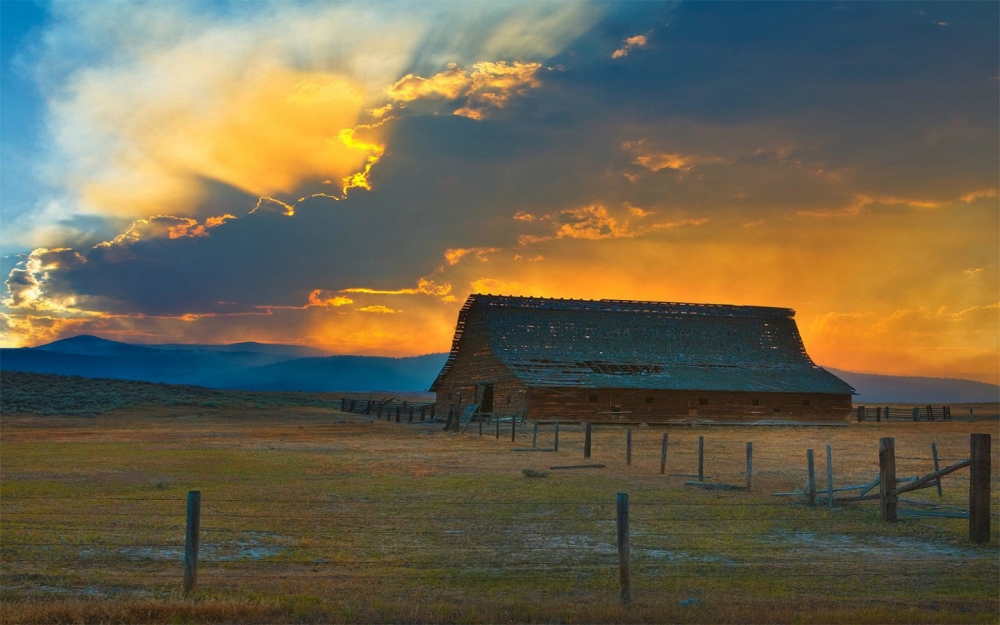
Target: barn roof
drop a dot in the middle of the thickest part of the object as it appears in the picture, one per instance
(647, 345)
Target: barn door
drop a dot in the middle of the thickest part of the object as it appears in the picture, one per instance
(486, 402)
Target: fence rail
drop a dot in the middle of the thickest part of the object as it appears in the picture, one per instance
(893, 413)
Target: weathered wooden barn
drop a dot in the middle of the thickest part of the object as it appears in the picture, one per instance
(634, 362)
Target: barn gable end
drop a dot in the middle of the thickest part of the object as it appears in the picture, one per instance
(644, 361)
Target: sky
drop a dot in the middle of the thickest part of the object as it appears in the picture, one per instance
(343, 175)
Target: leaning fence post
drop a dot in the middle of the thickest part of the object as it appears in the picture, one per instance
(887, 477)
(624, 571)
(586, 440)
(979, 488)
(701, 458)
(191, 539)
(829, 476)
(555, 443)
(811, 486)
(937, 467)
(749, 465)
(663, 455)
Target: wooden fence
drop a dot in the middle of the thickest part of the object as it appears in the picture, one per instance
(390, 409)
(890, 413)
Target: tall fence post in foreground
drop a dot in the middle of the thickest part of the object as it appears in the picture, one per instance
(191, 538)
(586, 440)
(829, 476)
(513, 429)
(749, 465)
(555, 443)
(628, 447)
(887, 477)
(624, 569)
(979, 488)
(663, 455)
(701, 458)
(937, 467)
(811, 486)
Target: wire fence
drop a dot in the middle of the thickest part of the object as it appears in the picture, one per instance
(414, 545)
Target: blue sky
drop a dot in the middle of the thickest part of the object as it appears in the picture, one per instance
(344, 175)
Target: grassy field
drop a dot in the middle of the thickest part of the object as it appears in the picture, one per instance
(311, 515)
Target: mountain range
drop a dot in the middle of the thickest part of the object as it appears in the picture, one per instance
(275, 367)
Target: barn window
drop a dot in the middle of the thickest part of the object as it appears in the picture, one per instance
(805, 402)
(449, 395)
(649, 400)
(777, 409)
(616, 409)
(702, 401)
(755, 402)
(508, 400)
(593, 399)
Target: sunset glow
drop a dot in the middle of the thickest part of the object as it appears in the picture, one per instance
(267, 173)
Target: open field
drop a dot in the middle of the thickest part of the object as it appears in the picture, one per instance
(311, 515)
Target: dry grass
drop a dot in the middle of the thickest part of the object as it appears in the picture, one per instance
(310, 515)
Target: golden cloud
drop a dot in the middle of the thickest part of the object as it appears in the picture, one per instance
(327, 299)
(424, 287)
(636, 41)
(264, 131)
(489, 85)
(378, 309)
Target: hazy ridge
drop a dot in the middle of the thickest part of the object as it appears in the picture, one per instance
(274, 367)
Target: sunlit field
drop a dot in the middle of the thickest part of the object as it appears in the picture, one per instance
(312, 515)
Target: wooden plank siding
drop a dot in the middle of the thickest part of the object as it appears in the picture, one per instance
(574, 404)
(475, 363)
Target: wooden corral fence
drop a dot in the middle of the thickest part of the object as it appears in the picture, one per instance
(890, 486)
(889, 413)
(390, 409)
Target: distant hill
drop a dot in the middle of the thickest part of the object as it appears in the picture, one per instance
(275, 367)
(238, 366)
(876, 389)
(340, 373)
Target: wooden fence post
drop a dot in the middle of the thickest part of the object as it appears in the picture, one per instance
(411, 414)
(397, 414)
(887, 477)
(979, 488)
(628, 447)
(555, 443)
(937, 467)
(878, 414)
(624, 570)
(191, 539)
(586, 440)
(829, 475)
(916, 414)
(513, 429)
(352, 406)
(886, 413)
(497, 424)
(811, 485)
(447, 424)
(433, 410)
(343, 404)
(701, 458)
(861, 413)
(534, 435)
(663, 455)
(749, 465)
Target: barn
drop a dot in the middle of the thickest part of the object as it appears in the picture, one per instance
(617, 361)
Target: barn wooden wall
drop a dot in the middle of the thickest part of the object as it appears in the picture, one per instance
(574, 404)
(476, 362)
